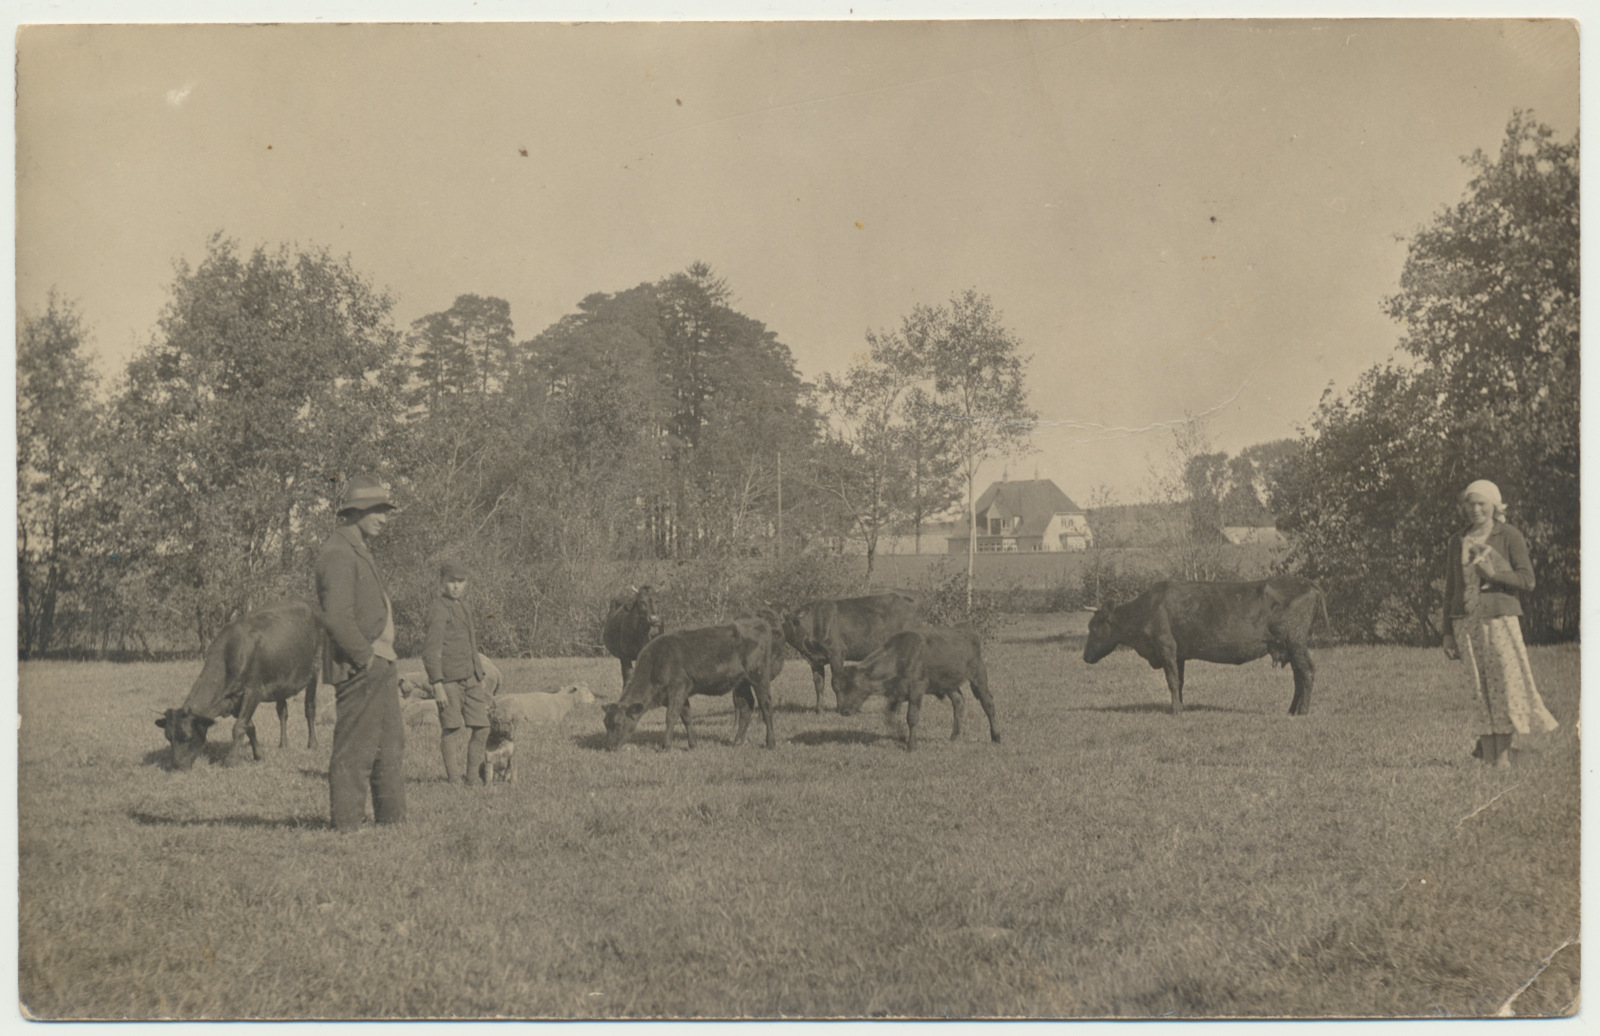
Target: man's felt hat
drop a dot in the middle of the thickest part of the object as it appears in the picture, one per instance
(365, 493)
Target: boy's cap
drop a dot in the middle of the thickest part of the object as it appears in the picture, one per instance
(453, 570)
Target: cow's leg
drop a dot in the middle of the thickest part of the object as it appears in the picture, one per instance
(1174, 670)
(688, 728)
(244, 728)
(282, 705)
(743, 703)
(675, 702)
(816, 680)
(914, 691)
(311, 713)
(761, 688)
(958, 703)
(677, 697)
(979, 679)
(1305, 674)
(627, 668)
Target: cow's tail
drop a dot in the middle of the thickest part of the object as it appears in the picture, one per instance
(1322, 610)
(325, 640)
(316, 612)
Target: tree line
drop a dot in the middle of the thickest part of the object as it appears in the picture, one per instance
(659, 429)
(654, 424)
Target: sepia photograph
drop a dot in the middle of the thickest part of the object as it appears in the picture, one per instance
(710, 519)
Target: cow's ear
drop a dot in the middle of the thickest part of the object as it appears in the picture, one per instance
(636, 710)
(204, 722)
(162, 722)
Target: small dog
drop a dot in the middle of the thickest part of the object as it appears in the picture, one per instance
(500, 763)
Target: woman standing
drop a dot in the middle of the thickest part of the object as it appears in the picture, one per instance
(1486, 567)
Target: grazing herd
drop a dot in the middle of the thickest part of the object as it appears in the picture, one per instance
(271, 655)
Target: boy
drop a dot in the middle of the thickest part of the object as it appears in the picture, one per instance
(455, 669)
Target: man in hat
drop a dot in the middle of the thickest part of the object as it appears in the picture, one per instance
(369, 734)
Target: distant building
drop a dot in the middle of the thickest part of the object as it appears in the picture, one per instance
(1022, 517)
(1265, 535)
(933, 535)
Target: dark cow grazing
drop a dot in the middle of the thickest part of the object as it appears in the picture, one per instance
(268, 655)
(1232, 623)
(833, 632)
(630, 623)
(740, 659)
(918, 662)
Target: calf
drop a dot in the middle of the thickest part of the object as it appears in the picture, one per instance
(832, 632)
(740, 659)
(268, 655)
(630, 624)
(1231, 623)
(918, 662)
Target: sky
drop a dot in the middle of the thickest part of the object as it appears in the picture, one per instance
(1179, 220)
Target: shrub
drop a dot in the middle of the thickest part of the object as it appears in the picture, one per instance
(944, 601)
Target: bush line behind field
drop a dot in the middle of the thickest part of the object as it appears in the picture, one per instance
(554, 608)
(1104, 860)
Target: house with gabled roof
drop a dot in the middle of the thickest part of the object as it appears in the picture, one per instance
(1022, 517)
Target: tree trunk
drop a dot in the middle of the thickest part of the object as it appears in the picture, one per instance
(972, 539)
(26, 611)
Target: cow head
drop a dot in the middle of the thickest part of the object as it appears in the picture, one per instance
(850, 688)
(186, 732)
(640, 608)
(620, 721)
(1103, 636)
(644, 600)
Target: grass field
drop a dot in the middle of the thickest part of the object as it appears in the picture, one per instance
(1104, 860)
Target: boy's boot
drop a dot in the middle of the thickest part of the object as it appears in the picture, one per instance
(453, 746)
(477, 752)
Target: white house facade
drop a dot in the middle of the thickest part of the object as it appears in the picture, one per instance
(1024, 517)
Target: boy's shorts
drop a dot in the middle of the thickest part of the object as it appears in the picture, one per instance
(469, 705)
